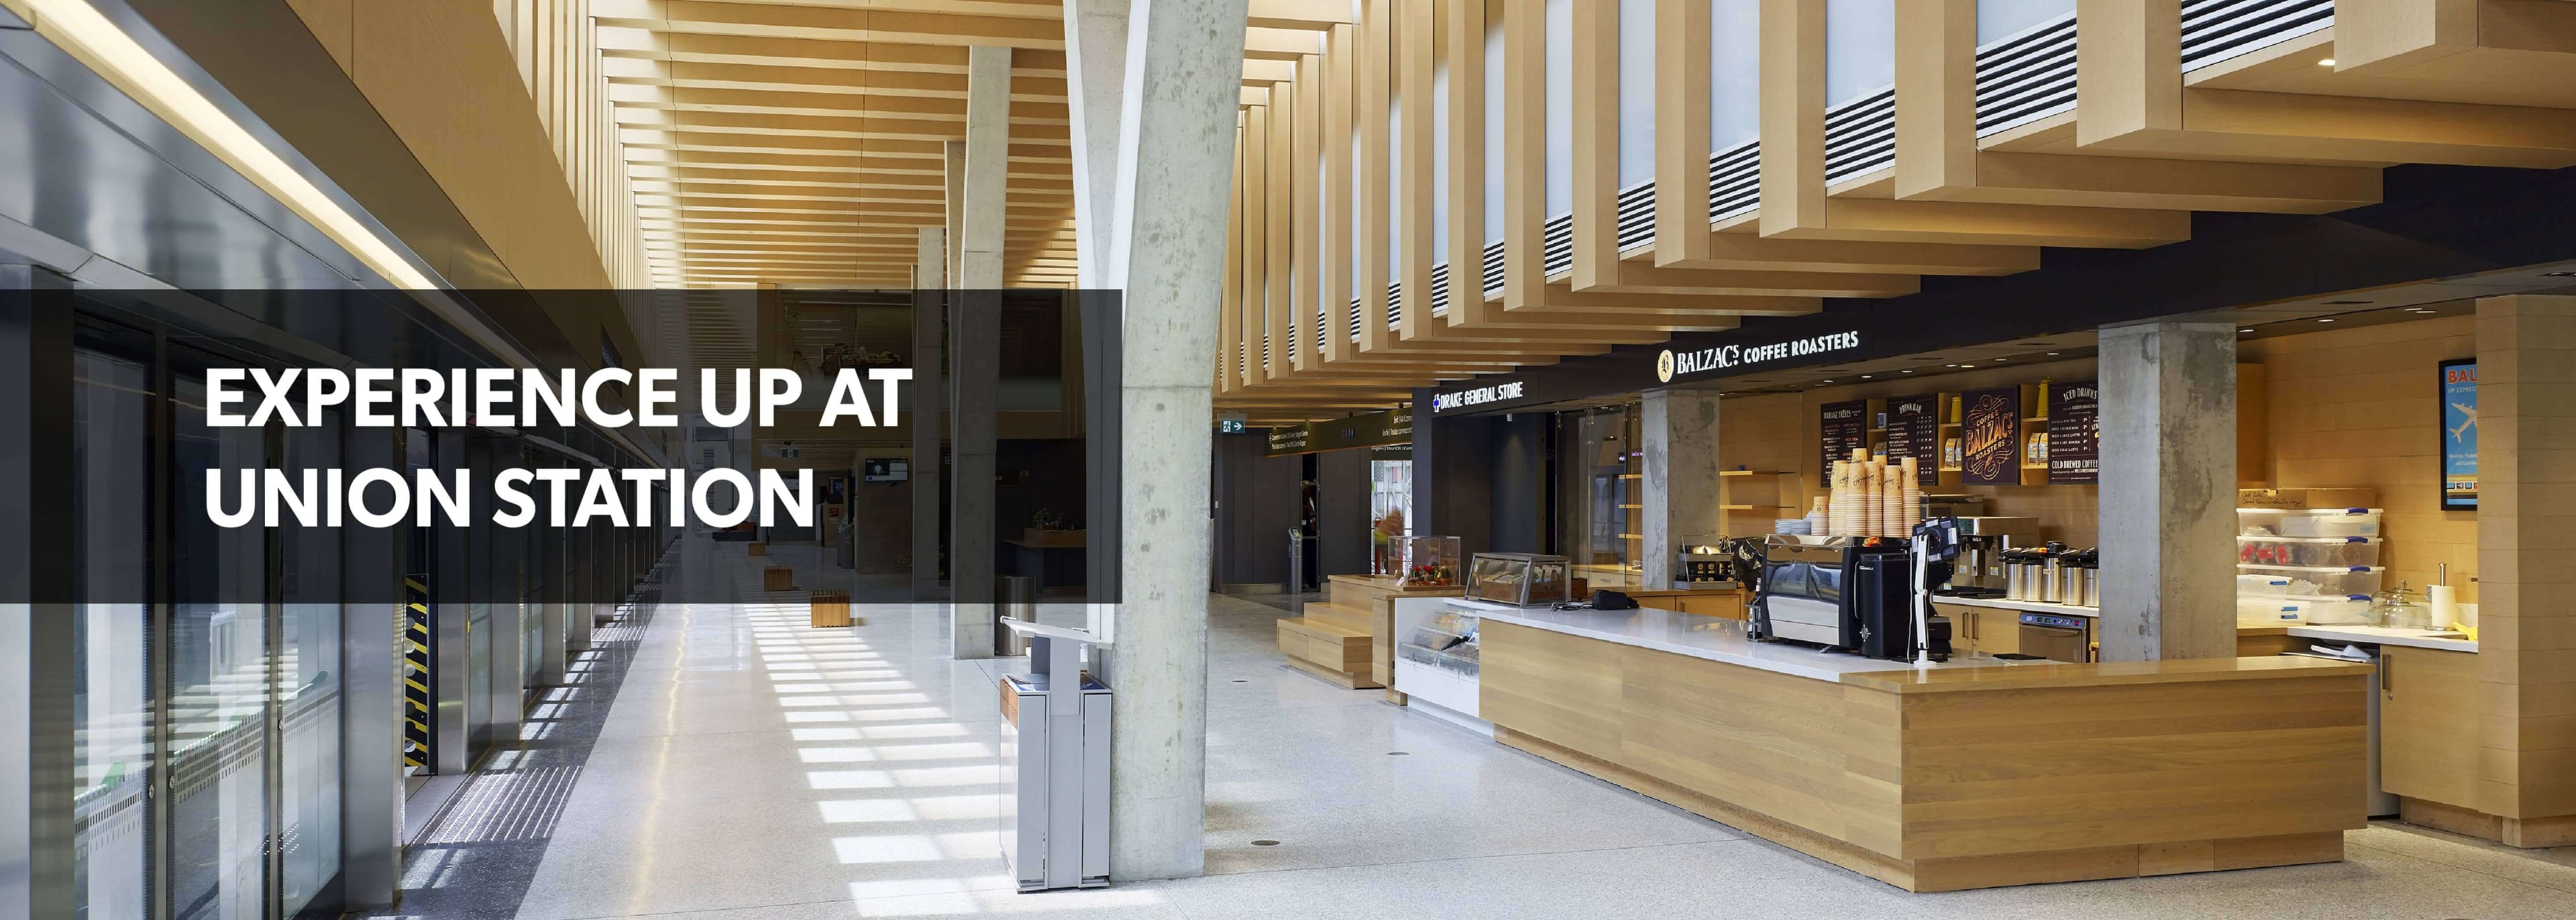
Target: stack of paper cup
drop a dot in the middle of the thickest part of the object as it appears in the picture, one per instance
(1913, 499)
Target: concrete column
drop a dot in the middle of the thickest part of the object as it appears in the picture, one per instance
(2168, 491)
(1095, 47)
(928, 397)
(1680, 494)
(974, 401)
(988, 140)
(1175, 169)
(954, 228)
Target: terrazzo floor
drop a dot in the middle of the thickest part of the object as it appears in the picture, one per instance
(751, 768)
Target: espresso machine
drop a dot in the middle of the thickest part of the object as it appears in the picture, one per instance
(1979, 569)
(1704, 562)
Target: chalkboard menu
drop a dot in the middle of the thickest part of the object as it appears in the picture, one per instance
(1846, 429)
(1913, 430)
(1991, 422)
(2074, 434)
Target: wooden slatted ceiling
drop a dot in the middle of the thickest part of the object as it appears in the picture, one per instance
(802, 142)
(2301, 126)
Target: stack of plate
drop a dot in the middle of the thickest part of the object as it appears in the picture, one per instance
(1790, 526)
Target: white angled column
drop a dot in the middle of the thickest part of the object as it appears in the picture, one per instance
(1095, 55)
(988, 141)
(1166, 252)
(2168, 491)
(975, 335)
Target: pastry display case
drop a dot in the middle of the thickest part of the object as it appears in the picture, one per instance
(1519, 579)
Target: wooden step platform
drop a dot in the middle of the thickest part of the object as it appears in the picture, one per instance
(1328, 650)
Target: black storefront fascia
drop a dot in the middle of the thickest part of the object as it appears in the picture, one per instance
(2433, 222)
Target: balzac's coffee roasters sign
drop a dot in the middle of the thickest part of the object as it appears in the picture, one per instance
(1671, 364)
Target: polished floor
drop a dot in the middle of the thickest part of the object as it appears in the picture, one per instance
(751, 768)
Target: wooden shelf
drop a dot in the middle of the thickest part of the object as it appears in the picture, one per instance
(1750, 507)
(1756, 473)
(1633, 506)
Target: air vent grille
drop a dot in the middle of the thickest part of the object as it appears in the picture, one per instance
(1860, 136)
(2026, 77)
(2215, 30)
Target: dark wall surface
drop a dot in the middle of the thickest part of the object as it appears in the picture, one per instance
(1342, 505)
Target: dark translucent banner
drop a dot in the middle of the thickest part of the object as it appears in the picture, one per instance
(479, 447)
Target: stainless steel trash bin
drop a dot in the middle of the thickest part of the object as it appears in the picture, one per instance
(1055, 766)
(1015, 597)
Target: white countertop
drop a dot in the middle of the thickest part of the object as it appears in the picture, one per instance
(2383, 635)
(2033, 606)
(1711, 638)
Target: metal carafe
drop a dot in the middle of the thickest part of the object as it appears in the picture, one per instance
(2021, 575)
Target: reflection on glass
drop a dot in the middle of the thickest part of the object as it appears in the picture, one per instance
(217, 677)
(308, 689)
(1599, 469)
(111, 722)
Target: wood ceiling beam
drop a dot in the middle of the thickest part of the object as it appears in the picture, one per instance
(684, 139)
(1025, 87)
(897, 26)
(645, 44)
(785, 102)
(917, 126)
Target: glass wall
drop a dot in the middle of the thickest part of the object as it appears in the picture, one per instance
(1599, 476)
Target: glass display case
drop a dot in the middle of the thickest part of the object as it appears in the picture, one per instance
(1447, 642)
(1427, 562)
(1519, 579)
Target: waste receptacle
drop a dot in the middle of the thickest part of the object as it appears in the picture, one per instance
(1055, 765)
(1015, 597)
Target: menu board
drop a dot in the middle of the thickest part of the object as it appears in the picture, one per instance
(1846, 429)
(1991, 422)
(1913, 430)
(2074, 434)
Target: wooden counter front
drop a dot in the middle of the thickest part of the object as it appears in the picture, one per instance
(1965, 777)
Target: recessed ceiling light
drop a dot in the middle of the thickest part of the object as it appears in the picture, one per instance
(2052, 353)
(1905, 372)
(2326, 320)
(1866, 376)
(2245, 330)
(2325, 62)
(1825, 381)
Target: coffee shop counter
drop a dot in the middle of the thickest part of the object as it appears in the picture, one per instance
(1974, 773)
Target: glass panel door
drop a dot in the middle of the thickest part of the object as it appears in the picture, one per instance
(218, 674)
(308, 688)
(111, 697)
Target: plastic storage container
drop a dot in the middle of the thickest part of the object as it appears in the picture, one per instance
(2295, 581)
(2307, 522)
(2289, 611)
(1428, 562)
(2308, 552)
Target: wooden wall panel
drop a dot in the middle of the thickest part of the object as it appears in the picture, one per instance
(2361, 407)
